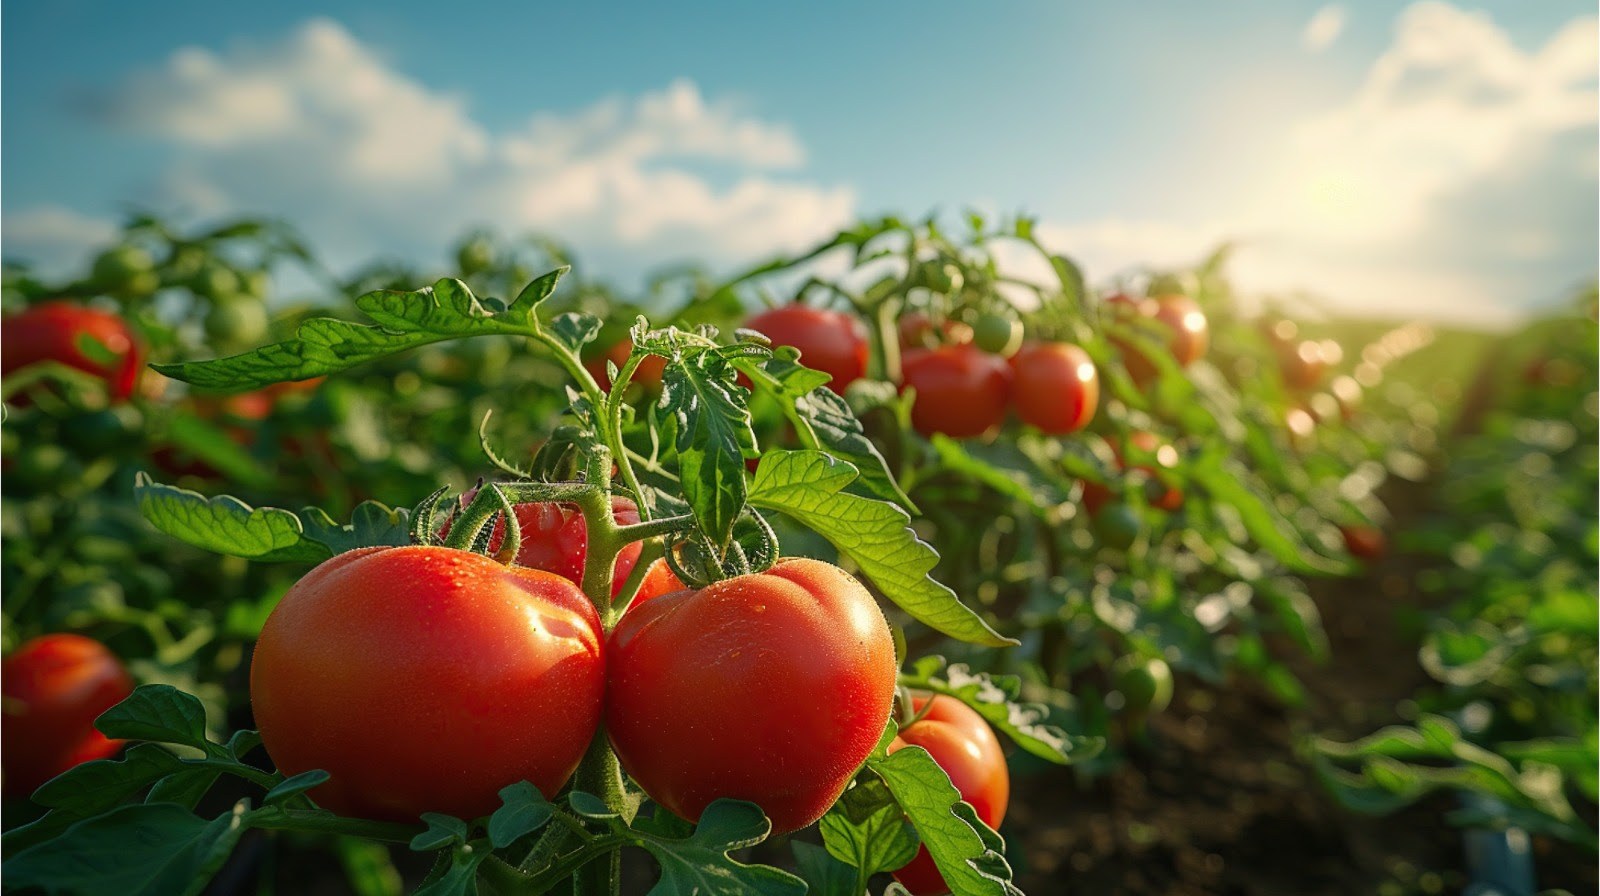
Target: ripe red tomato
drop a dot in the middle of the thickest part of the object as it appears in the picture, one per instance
(1054, 386)
(966, 748)
(425, 679)
(1302, 364)
(1188, 333)
(961, 391)
(647, 374)
(54, 687)
(555, 538)
(834, 342)
(1365, 542)
(917, 331)
(54, 331)
(658, 580)
(771, 687)
(1145, 445)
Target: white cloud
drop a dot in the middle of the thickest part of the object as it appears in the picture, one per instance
(55, 239)
(320, 129)
(1324, 28)
(1458, 180)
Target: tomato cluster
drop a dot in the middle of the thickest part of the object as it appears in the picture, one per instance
(426, 678)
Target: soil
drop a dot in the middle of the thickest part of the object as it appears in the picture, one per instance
(1215, 800)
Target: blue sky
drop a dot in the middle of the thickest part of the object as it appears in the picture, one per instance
(1404, 158)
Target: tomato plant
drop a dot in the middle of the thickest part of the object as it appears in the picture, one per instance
(800, 652)
(648, 373)
(1178, 320)
(425, 679)
(961, 390)
(834, 342)
(1054, 386)
(54, 686)
(967, 750)
(87, 339)
(555, 538)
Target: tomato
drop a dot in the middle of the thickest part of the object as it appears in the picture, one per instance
(216, 280)
(771, 687)
(425, 679)
(1117, 525)
(965, 747)
(1054, 386)
(961, 391)
(237, 323)
(58, 330)
(1365, 542)
(647, 374)
(54, 687)
(1187, 333)
(834, 342)
(999, 334)
(1144, 682)
(1302, 365)
(917, 331)
(555, 538)
(126, 271)
(1145, 444)
(659, 579)
(474, 255)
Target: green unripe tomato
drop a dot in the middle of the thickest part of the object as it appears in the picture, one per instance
(238, 323)
(256, 284)
(126, 271)
(474, 255)
(1145, 683)
(216, 281)
(1117, 526)
(997, 334)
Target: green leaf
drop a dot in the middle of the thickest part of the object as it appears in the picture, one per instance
(371, 525)
(995, 698)
(406, 320)
(952, 837)
(540, 289)
(866, 830)
(160, 713)
(242, 742)
(523, 810)
(90, 788)
(1005, 478)
(1229, 484)
(825, 875)
(212, 446)
(590, 806)
(574, 330)
(701, 864)
(225, 524)
(442, 831)
(876, 535)
(824, 421)
(712, 434)
(185, 788)
(144, 849)
(460, 879)
(294, 786)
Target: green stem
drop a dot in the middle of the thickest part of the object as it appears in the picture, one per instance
(601, 774)
(319, 822)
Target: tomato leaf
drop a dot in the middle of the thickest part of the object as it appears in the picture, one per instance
(160, 713)
(184, 788)
(406, 320)
(523, 810)
(700, 864)
(460, 878)
(224, 524)
(590, 806)
(442, 831)
(711, 430)
(866, 830)
(294, 786)
(876, 535)
(995, 698)
(537, 291)
(143, 849)
(575, 330)
(824, 421)
(90, 788)
(212, 446)
(967, 852)
(978, 462)
(1231, 485)
(824, 875)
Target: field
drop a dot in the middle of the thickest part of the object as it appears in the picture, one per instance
(877, 568)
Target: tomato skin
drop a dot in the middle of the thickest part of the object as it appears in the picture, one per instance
(965, 747)
(555, 538)
(1364, 542)
(1187, 331)
(771, 687)
(961, 390)
(54, 687)
(425, 679)
(49, 331)
(834, 342)
(1054, 386)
